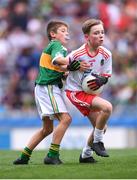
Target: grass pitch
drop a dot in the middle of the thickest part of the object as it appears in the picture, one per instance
(122, 164)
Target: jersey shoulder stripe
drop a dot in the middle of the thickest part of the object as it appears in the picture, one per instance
(79, 51)
(82, 48)
(80, 54)
(105, 51)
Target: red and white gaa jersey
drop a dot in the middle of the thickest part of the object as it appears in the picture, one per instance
(101, 64)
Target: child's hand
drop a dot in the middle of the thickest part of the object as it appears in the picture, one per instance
(84, 66)
(97, 82)
(74, 66)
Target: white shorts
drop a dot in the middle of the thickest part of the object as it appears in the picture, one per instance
(49, 101)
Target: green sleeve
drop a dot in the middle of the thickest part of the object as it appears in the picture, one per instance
(57, 50)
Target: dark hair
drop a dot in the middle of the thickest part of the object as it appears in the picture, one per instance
(53, 26)
(89, 23)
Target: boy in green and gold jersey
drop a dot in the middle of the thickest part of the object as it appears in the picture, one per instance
(48, 93)
(50, 73)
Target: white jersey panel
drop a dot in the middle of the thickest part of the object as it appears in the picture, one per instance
(101, 64)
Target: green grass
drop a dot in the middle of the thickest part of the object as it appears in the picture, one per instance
(122, 164)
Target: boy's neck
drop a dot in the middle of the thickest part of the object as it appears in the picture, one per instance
(91, 50)
(54, 39)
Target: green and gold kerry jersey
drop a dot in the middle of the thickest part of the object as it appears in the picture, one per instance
(49, 73)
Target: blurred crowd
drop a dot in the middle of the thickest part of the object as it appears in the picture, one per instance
(23, 37)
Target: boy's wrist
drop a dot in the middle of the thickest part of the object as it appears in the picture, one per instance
(73, 66)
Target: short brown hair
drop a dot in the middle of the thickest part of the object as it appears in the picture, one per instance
(53, 26)
(89, 23)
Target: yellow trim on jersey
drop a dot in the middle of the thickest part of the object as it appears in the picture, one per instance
(46, 62)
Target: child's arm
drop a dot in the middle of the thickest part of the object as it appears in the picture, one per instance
(75, 65)
(72, 66)
(67, 65)
(61, 61)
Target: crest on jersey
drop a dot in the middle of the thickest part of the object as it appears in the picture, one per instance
(58, 54)
(102, 62)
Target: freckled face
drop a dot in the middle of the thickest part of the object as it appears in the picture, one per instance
(96, 36)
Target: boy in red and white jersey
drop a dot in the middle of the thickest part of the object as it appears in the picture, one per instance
(97, 109)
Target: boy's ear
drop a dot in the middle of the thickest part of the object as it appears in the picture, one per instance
(52, 34)
(86, 36)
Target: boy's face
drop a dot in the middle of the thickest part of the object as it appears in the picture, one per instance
(61, 35)
(96, 36)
